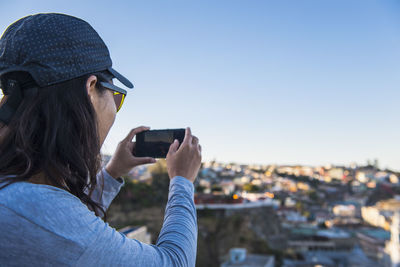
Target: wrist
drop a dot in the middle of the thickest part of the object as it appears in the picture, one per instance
(111, 172)
(173, 175)
(180, 175)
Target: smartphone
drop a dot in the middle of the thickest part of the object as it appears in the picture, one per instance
(156, 143)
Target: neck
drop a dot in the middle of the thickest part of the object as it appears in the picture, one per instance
(40, 178)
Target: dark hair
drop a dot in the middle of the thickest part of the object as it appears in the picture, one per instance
(55, 133)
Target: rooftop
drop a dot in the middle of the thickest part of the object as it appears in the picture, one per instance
(252, 260)
(128, 230)
(239, 257)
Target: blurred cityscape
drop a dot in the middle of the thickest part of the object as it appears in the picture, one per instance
(275, 215)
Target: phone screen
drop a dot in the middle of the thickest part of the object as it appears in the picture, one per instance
(156, 143)
(159, 136)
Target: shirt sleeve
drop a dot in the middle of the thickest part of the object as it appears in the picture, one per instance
(176, 244)
(105, 195)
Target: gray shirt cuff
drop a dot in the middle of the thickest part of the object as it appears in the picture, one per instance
(107, 188)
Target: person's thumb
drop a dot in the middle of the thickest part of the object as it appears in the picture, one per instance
(173, 147)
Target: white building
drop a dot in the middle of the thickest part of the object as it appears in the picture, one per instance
(392, 248)
(139, 233)
(238, 257)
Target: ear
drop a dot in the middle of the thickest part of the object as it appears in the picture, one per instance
(91, 86)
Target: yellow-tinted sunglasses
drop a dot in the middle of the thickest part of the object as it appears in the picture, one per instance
(118, 93)
(118, 99)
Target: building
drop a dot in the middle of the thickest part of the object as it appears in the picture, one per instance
(372, 242)
(139, 233)
(392, 248)
(238, 257)
(352, 258)
(380, 215)
(347, 209)
(309, 239)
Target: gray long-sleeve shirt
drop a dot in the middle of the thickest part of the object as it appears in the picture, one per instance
(42, 225)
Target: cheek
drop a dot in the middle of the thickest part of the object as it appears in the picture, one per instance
(109, 109)
(111, 106)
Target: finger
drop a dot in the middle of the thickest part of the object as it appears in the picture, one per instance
(144, 160)
(195, 141)
(173, 147)
(188, 136)
(134, 132)
(199, 148)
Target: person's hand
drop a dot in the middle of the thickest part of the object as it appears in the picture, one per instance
(123, 159)
(186, 160)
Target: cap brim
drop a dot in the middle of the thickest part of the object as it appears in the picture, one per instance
(113, 87)
(120, 77)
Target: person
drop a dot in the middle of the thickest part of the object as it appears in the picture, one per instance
(59, 102)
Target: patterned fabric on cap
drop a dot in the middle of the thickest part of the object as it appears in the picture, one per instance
(53, 48)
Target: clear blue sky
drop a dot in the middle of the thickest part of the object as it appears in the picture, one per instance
(308, 82)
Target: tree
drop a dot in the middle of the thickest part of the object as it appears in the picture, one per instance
(160, 181)
(251, 188)
(313, 196)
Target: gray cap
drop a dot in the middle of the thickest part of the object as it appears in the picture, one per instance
(54, 48)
